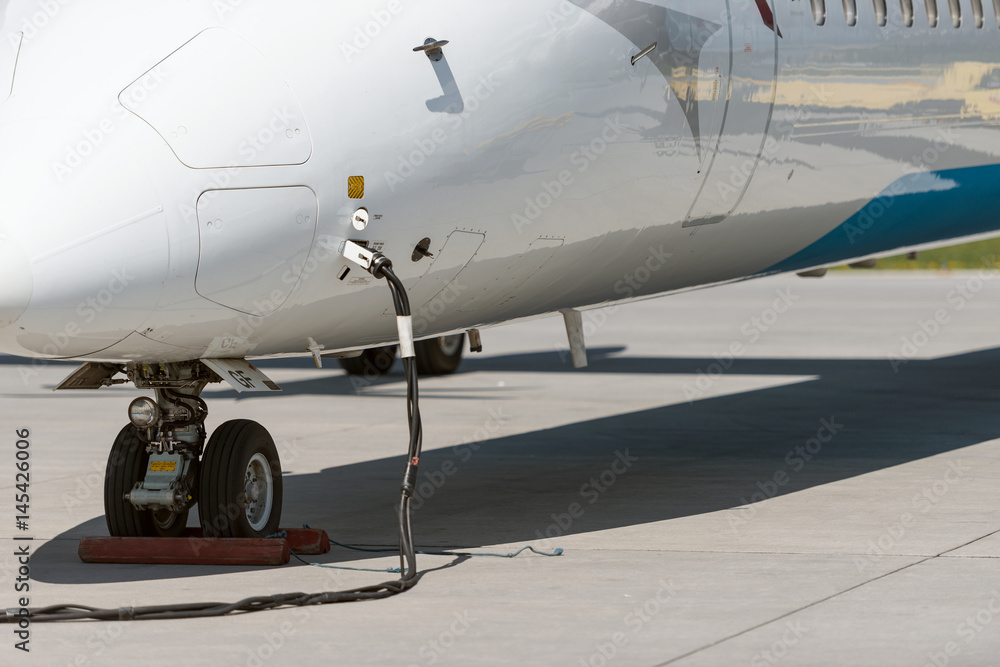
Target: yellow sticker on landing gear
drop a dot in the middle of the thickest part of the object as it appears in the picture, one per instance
(163, 466)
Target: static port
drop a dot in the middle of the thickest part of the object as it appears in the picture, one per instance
(422, 250)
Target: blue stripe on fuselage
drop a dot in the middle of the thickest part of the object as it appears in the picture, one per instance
(916, 209)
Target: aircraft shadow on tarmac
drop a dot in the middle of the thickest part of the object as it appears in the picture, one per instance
(694, 458)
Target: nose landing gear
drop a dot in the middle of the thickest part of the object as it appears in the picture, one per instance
(160, 465)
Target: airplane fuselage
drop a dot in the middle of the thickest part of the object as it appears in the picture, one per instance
(177, 181)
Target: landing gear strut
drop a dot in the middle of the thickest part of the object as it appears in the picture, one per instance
(160, 465)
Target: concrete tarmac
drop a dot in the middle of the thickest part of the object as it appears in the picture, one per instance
(785, 471)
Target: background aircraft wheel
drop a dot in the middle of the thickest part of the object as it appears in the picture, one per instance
(440, 356)
(240, 482)
(127, 465)
(376, 361)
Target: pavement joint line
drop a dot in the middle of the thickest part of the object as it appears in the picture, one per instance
(792, 612)
(778, 553)
(821, 601)
(962, 546)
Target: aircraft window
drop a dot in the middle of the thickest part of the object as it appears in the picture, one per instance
(956, 13)
(932, 12)
(880, 12)
(907, 7)
(851, 11)
(977, 12)
(819, 11)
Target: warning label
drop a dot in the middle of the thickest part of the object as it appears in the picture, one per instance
(356, 187)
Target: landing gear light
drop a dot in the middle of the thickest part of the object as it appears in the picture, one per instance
(143, 413)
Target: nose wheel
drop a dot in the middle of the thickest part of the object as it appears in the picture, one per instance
(240, 482)
(127, 465)
(161, 465)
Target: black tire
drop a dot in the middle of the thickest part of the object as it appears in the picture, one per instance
(239, 452)
(127, 465)
(440, 356)
(376, 361)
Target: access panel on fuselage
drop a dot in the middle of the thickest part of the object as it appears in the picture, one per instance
(681, 54)
(254, 245)
(746, 114)
(218, 103)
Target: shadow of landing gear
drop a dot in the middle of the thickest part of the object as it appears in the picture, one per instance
(691, 458)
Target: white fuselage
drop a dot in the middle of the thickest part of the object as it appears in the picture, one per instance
(174, 177)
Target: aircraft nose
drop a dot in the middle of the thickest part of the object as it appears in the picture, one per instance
(15, 281)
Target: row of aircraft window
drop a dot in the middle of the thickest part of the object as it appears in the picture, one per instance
(906, 6)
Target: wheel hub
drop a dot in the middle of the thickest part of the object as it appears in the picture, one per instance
(259, 490)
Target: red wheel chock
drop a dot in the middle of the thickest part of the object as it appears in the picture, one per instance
(194, 549)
